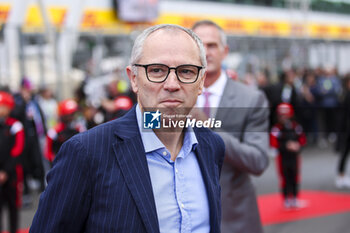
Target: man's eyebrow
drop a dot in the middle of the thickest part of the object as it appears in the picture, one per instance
(212, 44)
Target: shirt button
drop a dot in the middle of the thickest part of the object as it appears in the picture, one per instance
(182, 206)
(177, 171)
(164, 153)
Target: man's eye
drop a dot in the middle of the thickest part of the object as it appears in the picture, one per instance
(187, 71)
(212, 46)
(156, 70)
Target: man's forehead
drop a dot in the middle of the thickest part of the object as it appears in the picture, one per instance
(209, 34)
(206, 27)
(206, 30)
(168, 32)
(175, 42)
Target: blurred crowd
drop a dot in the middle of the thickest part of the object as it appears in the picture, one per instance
(319, 97)
(321, 100)
(35, 124)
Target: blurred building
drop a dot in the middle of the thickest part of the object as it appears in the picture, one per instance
(59, 42)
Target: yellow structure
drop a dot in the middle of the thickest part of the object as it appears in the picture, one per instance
(106, 22)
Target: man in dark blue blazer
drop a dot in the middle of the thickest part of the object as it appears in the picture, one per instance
(120, 177)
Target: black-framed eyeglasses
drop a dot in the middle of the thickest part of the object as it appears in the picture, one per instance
(158, 73)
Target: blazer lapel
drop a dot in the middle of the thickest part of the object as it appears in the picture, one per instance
(227, 99)
(203, 153)
(132, 161)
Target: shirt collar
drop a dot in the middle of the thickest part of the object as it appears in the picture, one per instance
(217, 88)
(151, 142)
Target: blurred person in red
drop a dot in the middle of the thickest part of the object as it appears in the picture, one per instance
(115, 101)
(65, 129)
(117, 107)
(287, 137)
(118, 101)
(11, 172)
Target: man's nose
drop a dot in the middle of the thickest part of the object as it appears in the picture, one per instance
(172, 83)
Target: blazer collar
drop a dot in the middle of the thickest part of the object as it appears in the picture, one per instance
(132, 161)
(228, 97)
(228, 94)
(126, 126)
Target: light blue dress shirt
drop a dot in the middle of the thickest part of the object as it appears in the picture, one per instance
(178, 187)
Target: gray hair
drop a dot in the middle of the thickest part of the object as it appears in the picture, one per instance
(223, 36)
(137, 49)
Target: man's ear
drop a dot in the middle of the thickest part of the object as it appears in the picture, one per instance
(132, 78)
(201, 83)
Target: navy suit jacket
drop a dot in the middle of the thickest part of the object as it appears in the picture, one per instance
(100, 182)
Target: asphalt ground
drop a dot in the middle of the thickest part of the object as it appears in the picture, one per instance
(318, 174)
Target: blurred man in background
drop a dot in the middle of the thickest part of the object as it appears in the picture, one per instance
(244, 113)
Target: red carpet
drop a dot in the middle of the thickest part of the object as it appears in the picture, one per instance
(319, 204)
(19, 231)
